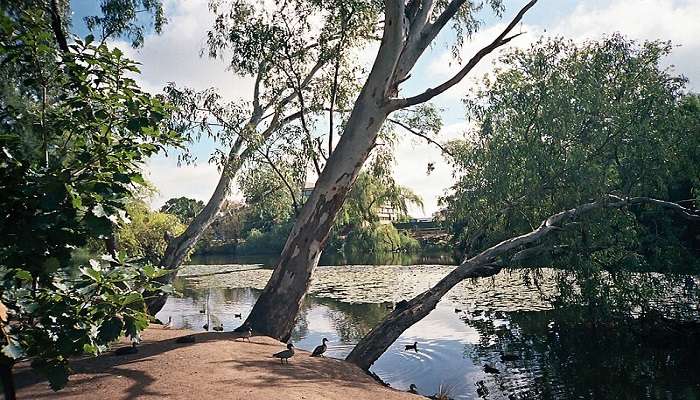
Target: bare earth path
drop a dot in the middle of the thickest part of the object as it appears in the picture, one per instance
(211, 368)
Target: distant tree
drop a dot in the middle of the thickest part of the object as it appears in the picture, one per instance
(182, 207)
(145, 236)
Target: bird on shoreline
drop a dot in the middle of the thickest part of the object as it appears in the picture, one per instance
(285, 355)
(122, 351)
(413, 346)
(205, 327)
(245, 334)
(219, 328)
(413, 389)
(320, 349)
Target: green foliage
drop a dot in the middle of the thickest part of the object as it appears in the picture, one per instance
(270, 241)
(75, 129)
(144, 236)
(182, 207)
(561, 124)
(378, 238)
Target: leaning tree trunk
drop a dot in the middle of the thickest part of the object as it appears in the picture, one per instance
(485, 264)
(179, 247)
(275, 311)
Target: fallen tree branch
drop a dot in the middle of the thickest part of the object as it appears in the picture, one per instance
(484, 264)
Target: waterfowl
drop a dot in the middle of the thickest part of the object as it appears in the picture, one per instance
(413, 346)
(457, 310)
(122, 351)
(203, 310)
(413, 389)
(320, 349)
(186, 339)
(489, 369)
(219, 328)
(245, 334)
(205, 326)
(286, 354)
(509, 357)
(239, 316)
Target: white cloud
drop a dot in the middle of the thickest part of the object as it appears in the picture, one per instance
(193, 181)
(174, 56)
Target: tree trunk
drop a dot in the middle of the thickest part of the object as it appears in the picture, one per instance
(375, 343)
(8, 382)
(275, 311)
(180, 246)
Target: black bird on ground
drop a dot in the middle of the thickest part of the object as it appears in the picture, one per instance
(186, 339)
(489, 369)
(413, 389)
(413, 346)
(244, 334)
(286, 354)
(122, 351)
(320, 349)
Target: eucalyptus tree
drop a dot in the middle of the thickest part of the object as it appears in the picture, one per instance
(407, 30)
(559, 125)
(299, 55)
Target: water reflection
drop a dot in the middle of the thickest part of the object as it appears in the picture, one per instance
(557, 359)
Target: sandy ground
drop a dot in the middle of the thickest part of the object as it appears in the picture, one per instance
(211, 368)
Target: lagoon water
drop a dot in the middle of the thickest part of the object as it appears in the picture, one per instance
(470, 328)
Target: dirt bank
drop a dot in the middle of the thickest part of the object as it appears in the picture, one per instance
(211, 368)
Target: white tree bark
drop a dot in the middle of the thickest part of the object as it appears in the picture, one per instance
(275, 311)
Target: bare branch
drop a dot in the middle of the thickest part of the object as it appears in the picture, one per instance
(500, 40)
(419, 134)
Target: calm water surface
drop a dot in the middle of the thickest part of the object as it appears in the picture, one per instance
(469, 328)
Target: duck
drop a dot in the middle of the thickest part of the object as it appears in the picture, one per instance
(509, 357)
(413, 389)
(122, 351)
(206, 326)
(203, 310)
(458, 310)
(413, 346)
(246, 333)
(489, 369)
(285, 355)
(239, 316)
(320, 349)
(219, 328)
(186, 339)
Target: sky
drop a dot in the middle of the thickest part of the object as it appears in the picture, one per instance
(174, 56)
